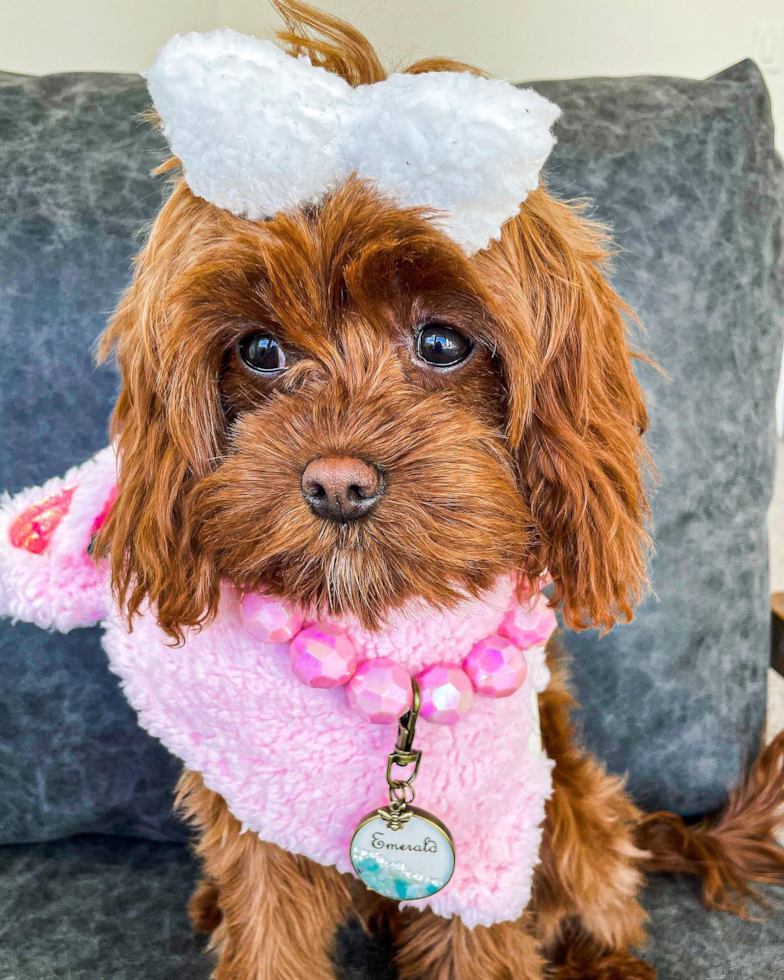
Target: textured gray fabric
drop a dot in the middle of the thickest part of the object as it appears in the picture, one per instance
(684, 171)
(98, 907)
(112, 909)
(686, 175)
(74, 191)
(687, 942)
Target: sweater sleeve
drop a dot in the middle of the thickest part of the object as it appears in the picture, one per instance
(47, 575)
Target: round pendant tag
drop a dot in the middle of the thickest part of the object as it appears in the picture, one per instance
(406, 855)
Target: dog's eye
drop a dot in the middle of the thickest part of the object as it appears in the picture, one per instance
(442, 346)
(261, 352)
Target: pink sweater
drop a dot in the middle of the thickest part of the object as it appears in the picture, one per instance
(297, 765)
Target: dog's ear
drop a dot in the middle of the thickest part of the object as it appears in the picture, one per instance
(165, 427)
(576, 411)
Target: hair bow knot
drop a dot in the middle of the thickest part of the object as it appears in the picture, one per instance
(258, 132)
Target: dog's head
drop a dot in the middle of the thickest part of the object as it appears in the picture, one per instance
(339, 407)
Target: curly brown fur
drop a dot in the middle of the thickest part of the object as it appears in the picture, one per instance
(204, 907)
(590, 866)
(274, 914)
(582, 957)
(527, 457)
(530, 455)
(365, 274)
(732, 850)
(432, 948)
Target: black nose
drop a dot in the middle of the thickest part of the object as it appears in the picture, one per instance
(341, 488)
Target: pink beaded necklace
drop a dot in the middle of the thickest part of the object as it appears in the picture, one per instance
(380, 690)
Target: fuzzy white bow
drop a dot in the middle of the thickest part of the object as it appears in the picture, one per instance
(258, 131)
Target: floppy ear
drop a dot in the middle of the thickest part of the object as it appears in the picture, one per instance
(576, 411)
(165, 438)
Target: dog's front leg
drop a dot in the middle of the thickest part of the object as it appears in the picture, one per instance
(272, 914)
(588, 915)
(432, 948)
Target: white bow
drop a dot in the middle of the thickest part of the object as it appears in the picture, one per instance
(258, 131)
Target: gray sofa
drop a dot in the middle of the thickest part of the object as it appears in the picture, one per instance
(94, 870)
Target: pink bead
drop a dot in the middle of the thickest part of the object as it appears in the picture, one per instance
(528, 628)
(323, 656)
(496, 667)
(380, 691)
(446, 694)
(270, 620)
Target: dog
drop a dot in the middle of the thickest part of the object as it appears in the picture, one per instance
(339, 408)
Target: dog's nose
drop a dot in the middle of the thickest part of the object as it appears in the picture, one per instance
(341, 488)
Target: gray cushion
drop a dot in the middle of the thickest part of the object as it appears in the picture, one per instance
(74, 191)
(686, 173)
(114, 909)
(98, 907)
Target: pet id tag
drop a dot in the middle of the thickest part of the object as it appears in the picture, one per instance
(401, 851)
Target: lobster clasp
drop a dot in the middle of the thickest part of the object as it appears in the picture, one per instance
(406, 729)
(405, 754)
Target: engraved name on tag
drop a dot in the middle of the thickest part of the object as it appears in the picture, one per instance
(408, 857)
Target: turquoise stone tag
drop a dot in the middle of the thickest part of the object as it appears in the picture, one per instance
(403, 853)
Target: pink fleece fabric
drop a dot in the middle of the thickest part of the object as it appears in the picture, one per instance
(61, 588)
(295, 765)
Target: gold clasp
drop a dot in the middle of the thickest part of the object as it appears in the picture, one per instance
(405, 754)
(406, 729)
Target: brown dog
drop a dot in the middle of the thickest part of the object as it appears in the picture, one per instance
(528, 452)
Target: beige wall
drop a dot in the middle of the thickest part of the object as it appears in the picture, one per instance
(41, 36)
(513, 38)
